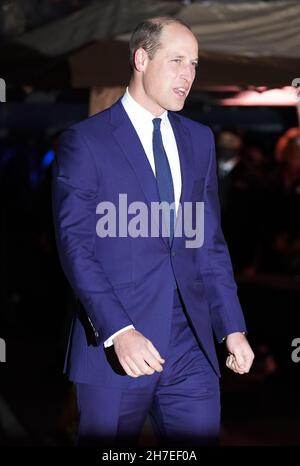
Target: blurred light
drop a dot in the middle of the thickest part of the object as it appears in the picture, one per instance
(34, 179)
(48, 158)
(285, 97)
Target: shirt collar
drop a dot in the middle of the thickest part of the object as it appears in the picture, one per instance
(137, 113)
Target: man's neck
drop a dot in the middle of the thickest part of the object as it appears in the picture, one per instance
(140, 97)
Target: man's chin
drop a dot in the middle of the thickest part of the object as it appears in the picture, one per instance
(176, 106)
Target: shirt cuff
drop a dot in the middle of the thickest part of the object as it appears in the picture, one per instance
(109, 341)
(223, 339)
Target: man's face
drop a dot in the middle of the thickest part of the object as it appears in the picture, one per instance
(168, 77)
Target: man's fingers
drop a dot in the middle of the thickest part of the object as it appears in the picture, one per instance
(144, 364)
(127, 369)
(232, 364)
(153, 362)
(135, 366)
(240, 360)
(241, 352)
(238, 369)
(137, 354)
(143, 367)
(244, 360)
(154, 351)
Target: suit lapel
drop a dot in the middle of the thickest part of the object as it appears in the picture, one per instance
(185, 151)
(133, 150)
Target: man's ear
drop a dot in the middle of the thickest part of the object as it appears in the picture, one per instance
(140, 59)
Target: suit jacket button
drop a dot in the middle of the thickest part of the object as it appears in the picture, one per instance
(173, 253)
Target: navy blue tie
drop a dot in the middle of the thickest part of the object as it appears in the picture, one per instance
(163, 173)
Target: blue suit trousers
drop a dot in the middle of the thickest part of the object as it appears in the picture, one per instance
(183, 401)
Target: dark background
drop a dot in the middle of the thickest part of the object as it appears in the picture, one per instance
(37, 404)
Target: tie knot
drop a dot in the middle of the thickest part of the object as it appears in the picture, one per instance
(156, 123)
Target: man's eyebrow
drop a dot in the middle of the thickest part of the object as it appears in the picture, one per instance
(183, 56)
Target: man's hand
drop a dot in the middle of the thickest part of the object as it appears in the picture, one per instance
(240, 353)
(136, 354)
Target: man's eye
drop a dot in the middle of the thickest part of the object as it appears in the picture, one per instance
(177, 60)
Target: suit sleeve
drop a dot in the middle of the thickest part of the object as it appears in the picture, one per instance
(75, 193)
(226, 313)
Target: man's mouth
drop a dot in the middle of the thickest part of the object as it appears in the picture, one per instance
(181, 91)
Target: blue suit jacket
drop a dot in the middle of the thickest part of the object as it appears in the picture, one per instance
(125, 280)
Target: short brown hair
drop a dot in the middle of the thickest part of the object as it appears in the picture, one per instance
(147, 35)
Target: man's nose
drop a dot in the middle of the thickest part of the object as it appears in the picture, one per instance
(188, 73)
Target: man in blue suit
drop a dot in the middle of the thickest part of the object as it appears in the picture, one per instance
(142, 340)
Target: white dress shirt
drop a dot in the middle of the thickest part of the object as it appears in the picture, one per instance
(141, 120)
